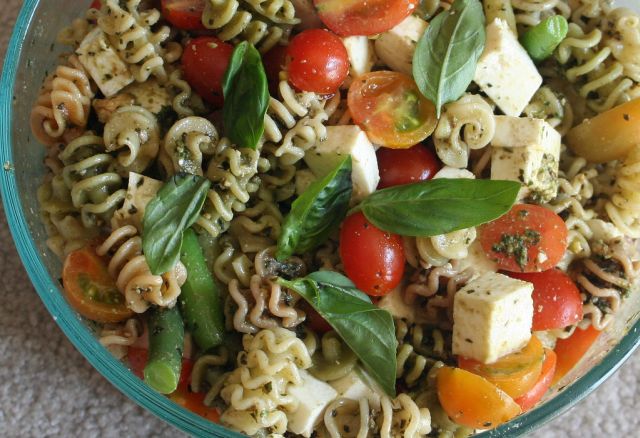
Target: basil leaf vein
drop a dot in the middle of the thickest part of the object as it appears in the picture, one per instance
(366, 329)
(439, 206)
(446, 56)
(317, 212)
(246, 96)
(174, 209)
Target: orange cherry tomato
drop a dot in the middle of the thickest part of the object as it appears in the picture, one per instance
(535, 394)
(515, 373)
(184, 14)
(90, 289)
(357, 17)
(473, 401)
(529, 238)
(391, 109)
(572, 349)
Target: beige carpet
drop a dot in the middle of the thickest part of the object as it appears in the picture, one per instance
(48, 389)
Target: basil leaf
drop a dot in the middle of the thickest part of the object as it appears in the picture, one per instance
(174, 209)
(367, 330)
(317, 212)
(439, 206)
(246, 96)
(446, 56)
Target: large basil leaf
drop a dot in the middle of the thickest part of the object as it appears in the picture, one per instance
(439, 206)
(317, 212)
(446, 57)
(366, 329)
(174, 209)
(246, 96)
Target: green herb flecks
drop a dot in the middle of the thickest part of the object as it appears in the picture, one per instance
(517, 246)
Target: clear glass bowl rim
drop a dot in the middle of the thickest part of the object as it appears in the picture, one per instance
(118, 375)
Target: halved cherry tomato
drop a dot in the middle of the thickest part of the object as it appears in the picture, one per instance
(205, 61)
(473, 401)
(572, 349)
(316, 322)
(184, 14)
(274, 62)
(515, 373)
(96, 4)
(357, 17)
(319, 61)
(556, 299)
(529, 238)
(373, 259)
(535, 394)
(406, 166)
(90, 289)
(391, 109)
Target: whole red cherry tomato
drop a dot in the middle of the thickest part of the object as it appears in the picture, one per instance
(406, 166)
(205, 60)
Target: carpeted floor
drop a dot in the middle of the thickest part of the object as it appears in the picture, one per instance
(48, 389)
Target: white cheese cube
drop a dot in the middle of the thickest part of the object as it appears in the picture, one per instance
(313, 397)
(505, 72)
(492, 317)
(360, 54)
(341, 141)
(103, 64)
(454, 173)
(150, 95)
(396, 47)
(140, 191)
(353, 387)
(528, 151)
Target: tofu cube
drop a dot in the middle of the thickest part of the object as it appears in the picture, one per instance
(103, 64)
(396, 47)
(360, 54)
(492, 317)
(140, 191)
(313, 396)
(341, 141)
(528, 151)
(505, 72)
(353, 387)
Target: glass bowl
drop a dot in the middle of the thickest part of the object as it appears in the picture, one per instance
(30, 56)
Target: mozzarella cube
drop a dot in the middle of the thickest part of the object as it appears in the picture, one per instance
(341, 141)
(528, 151)
(353, 387)
(313, 397)
(360, 54)
(150, 95)
(505, 72)
(454, 173)
(140, 191)
(492, 317)
(396, 47)
(103, 64)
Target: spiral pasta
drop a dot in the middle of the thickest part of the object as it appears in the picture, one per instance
(333, 360)
(552, 107)
(187, 141)
(185, 103)
(529, 13)
(119, 337)
(417, 352)
(209, 373)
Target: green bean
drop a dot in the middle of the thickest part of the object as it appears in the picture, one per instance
(541, 40)
(166, 340)
(199, 301)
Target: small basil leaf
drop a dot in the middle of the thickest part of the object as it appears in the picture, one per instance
(317, 212)
(439, 206)
(246, 96)
(174, 209)
(367, 330)
(446, 57)
(540, 41)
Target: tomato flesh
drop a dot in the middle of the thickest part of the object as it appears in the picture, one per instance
(405, 166)
(318, 61)
(473, 401)
(391, 109)
(373, 259)
(274, 62)
(556, 299)
(529, 238)
(184, 14)
(95, 4)
(90, 289)
(205, 61)
(316, 322)
(535, 394)
(572, 349)
(357, 17)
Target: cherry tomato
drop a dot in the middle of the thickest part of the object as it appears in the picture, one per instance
(90, 289)
(529, 238)
(473, 401)
(373, 259)
(391, 109)
(357, 17)
(205, 61)
(194, 402)
(184, 14)
(515, 373)
(274, 62)
(535, 394)
(95, 4)
(316, 322)
(572, 349)
(556, 299)
(319, 61)
(406, 166)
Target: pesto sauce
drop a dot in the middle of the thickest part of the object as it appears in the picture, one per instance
(517, 246)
